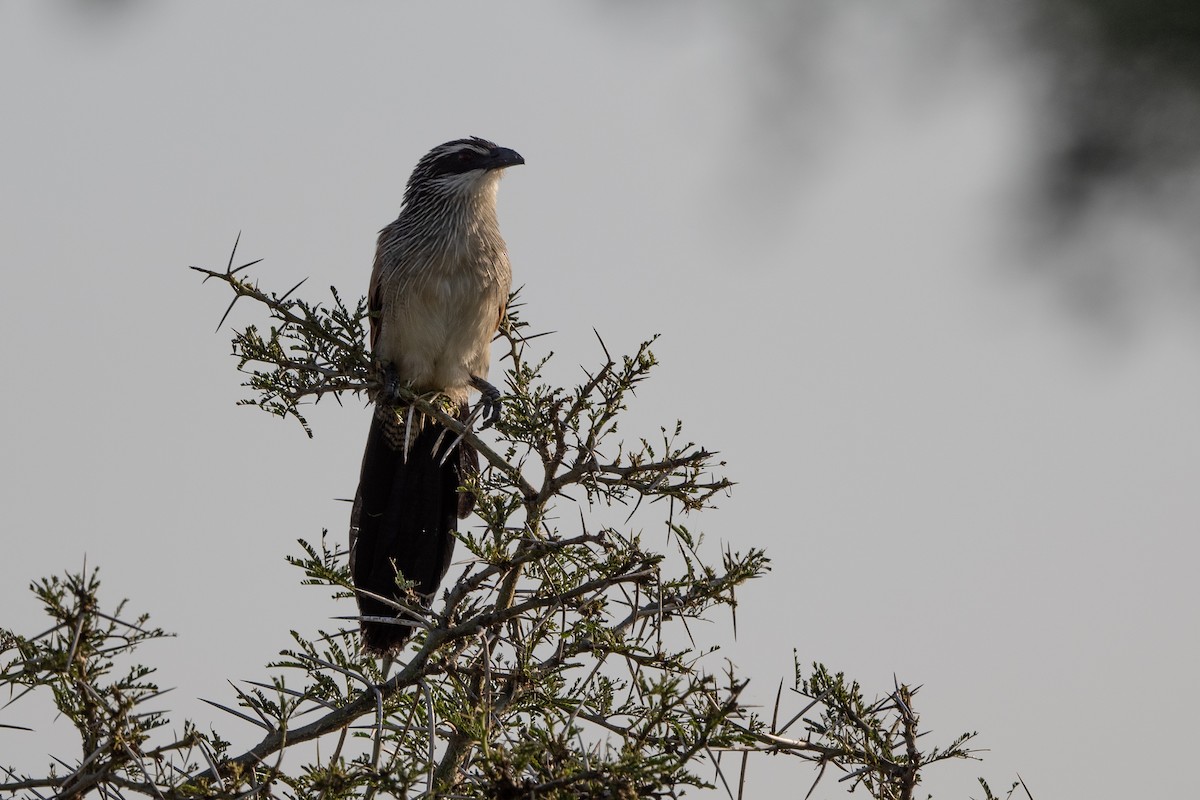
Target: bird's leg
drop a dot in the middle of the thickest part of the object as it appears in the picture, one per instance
(489, 401)
(389, 390)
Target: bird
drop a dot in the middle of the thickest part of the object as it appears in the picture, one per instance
(438, 293)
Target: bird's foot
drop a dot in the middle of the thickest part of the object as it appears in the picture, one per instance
(489, 402)
(389, 388)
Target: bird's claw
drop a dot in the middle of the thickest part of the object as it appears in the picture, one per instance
(489, 402)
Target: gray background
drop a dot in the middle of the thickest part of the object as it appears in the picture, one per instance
(963, 428)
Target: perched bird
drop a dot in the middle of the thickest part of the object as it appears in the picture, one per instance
(438, 293)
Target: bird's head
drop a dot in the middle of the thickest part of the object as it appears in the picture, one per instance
(462, 167)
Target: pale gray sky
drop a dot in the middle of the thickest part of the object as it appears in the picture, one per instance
(961, 480)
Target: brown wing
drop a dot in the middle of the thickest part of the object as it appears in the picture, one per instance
(504, 273)
(503, 311)
(375, 295)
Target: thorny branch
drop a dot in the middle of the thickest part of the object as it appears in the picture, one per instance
(557, 664)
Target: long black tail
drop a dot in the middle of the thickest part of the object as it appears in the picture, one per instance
(405, 514)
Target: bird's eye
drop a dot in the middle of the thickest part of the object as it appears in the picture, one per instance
(464, 157)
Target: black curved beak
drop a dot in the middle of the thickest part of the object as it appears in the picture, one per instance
(502, 157)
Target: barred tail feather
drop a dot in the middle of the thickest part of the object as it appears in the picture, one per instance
(405, 515)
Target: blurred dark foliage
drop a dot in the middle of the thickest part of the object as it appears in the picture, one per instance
(100, 17)
(1128, 92)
